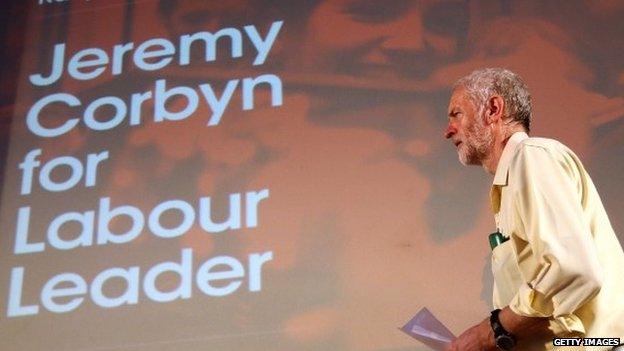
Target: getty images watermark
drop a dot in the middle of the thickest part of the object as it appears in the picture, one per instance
(615, 342)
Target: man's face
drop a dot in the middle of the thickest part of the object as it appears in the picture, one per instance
(467, 129)
(187, 17)
(386, 39)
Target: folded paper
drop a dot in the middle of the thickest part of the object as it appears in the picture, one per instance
(426, 328)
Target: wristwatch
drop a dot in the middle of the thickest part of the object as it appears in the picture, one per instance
(503, 339)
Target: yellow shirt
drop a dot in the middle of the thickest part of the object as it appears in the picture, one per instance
(562, 259)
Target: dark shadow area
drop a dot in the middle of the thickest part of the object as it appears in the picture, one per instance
(13, 17)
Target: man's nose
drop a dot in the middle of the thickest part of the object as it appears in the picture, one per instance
(403, 42)
(450, 131)
(406, 34)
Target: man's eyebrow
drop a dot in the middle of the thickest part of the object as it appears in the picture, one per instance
(452, 112)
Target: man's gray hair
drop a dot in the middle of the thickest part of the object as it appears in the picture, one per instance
(484, 83)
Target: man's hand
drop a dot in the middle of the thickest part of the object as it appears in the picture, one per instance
(481, 336)
(478, 338)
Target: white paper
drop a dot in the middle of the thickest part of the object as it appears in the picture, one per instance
(426, 328)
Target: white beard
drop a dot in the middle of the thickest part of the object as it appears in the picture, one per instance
(477, 143)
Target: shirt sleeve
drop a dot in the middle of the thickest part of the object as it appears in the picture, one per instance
(548, 197)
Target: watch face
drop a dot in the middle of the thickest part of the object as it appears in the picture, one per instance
(505, 342)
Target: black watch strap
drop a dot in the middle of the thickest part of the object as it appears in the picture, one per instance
(504, 340)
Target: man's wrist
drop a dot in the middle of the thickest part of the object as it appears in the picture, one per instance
(489, 342)
(503, 338)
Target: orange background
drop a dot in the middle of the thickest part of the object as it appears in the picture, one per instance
(370, 215)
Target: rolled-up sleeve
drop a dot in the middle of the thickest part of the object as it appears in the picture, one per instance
(548, 197)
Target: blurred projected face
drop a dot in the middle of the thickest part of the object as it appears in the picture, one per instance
(188, 17)
(390, 38)
(185, 16)
(467, 129)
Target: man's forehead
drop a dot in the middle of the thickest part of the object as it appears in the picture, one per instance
(458, 92)
(457, 97)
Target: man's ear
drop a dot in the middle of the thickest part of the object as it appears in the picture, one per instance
(494, 109)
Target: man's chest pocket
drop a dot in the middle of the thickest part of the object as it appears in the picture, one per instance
(507, 278)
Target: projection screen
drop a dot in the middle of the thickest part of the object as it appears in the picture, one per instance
(271, 175)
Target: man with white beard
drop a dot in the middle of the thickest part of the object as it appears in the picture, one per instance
(557, 264)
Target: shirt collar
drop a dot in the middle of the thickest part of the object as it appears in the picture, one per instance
(500, 178)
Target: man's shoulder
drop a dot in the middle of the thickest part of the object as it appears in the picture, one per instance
(544, 143)
(539, 144)
(544, 152)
